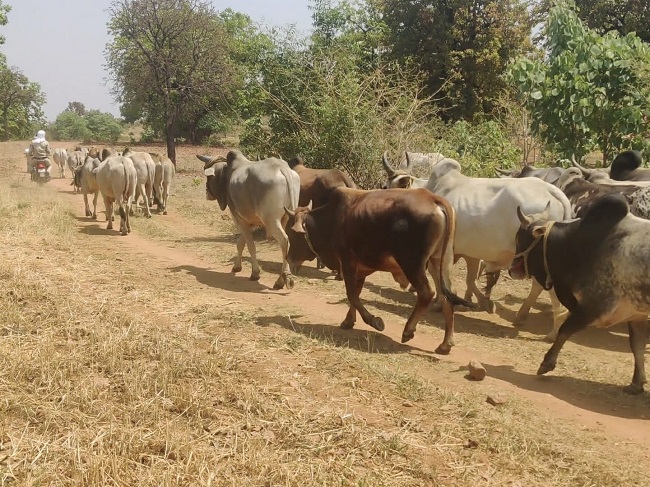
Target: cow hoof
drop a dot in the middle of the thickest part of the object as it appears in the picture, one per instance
(109, 227)
(490, 307)
(89, 213)
(520, 319)
(94, 217)
(347, 325)
(545, 367)
(235, 269)
(377, 323)
(254, 277)
(411, 289)
(148, 215)
(338, 276)
(288, 281)
(443, 349)
(633, 389)
(406, 336)
(165, 212)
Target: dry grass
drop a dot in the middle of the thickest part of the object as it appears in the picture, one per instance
(108, 377)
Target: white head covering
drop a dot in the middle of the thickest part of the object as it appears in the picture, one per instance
(40, 137)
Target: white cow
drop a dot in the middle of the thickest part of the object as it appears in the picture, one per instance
(60, 157)
(257, 194)
(165, 171)
(74, 160)
(86, 179)
(116, 179)
(146, 169)
(487, 219)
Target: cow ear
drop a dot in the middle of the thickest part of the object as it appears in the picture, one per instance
(539, 231)
(223, 180)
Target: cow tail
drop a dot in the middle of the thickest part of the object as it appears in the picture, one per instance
(127, 191)
(448, 246)
(566, 205)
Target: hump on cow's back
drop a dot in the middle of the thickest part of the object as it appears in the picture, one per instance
(626, 161)
(606, 210)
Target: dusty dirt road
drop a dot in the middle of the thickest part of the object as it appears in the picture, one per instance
(190, 251)
(308, 308)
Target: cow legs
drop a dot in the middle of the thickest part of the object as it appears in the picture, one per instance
(88, 213)
(472, 275)
(94, 215)
(559, 315)
(576, 321)
(353, 287)
(447, 308)
(285, 278)
(165, 195)
(246, 237)
(638, 331)
(424, 293)
(535, 290)
(109, 213)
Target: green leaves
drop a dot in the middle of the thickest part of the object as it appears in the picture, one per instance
(593, 93)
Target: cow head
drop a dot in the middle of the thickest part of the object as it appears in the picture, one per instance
(399, 178)
(532, 228)
(568, 176)
(218, 176)
(300, 247)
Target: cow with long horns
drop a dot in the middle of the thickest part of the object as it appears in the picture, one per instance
(256, 194)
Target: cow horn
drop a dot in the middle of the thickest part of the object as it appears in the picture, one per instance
(209, 161)
(585, 172)
(409, 162)
(502, 172)
(289, 212)
(389, 170)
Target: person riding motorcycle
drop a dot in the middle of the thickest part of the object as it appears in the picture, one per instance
(39, 150)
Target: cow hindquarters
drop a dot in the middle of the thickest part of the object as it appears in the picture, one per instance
(638, 331)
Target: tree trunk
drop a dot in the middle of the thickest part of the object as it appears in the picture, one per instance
(171, 142)
(5, 121)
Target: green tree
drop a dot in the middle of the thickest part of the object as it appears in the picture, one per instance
(104, 127)
(464, 47)
(70, 125)
(590, 92)
(21, 103)
(167, 57)
(76, 107)
(622, 16)
(4, 11)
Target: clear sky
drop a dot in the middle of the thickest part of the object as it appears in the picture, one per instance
(60, 44)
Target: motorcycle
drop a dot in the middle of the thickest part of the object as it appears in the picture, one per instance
(39, 173)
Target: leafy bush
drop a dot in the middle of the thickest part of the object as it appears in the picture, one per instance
(93, 126)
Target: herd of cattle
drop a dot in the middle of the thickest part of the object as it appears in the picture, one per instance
(122, 179)
(570, 230)
(581, 234)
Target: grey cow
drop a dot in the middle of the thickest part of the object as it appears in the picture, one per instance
(86, 179)
(600, 269)
(257, 194)
(116, 179)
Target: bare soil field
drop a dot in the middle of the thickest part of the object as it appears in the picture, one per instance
(142, 360)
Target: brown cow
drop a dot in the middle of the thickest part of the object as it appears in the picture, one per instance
(316, 186)
(399, 231)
